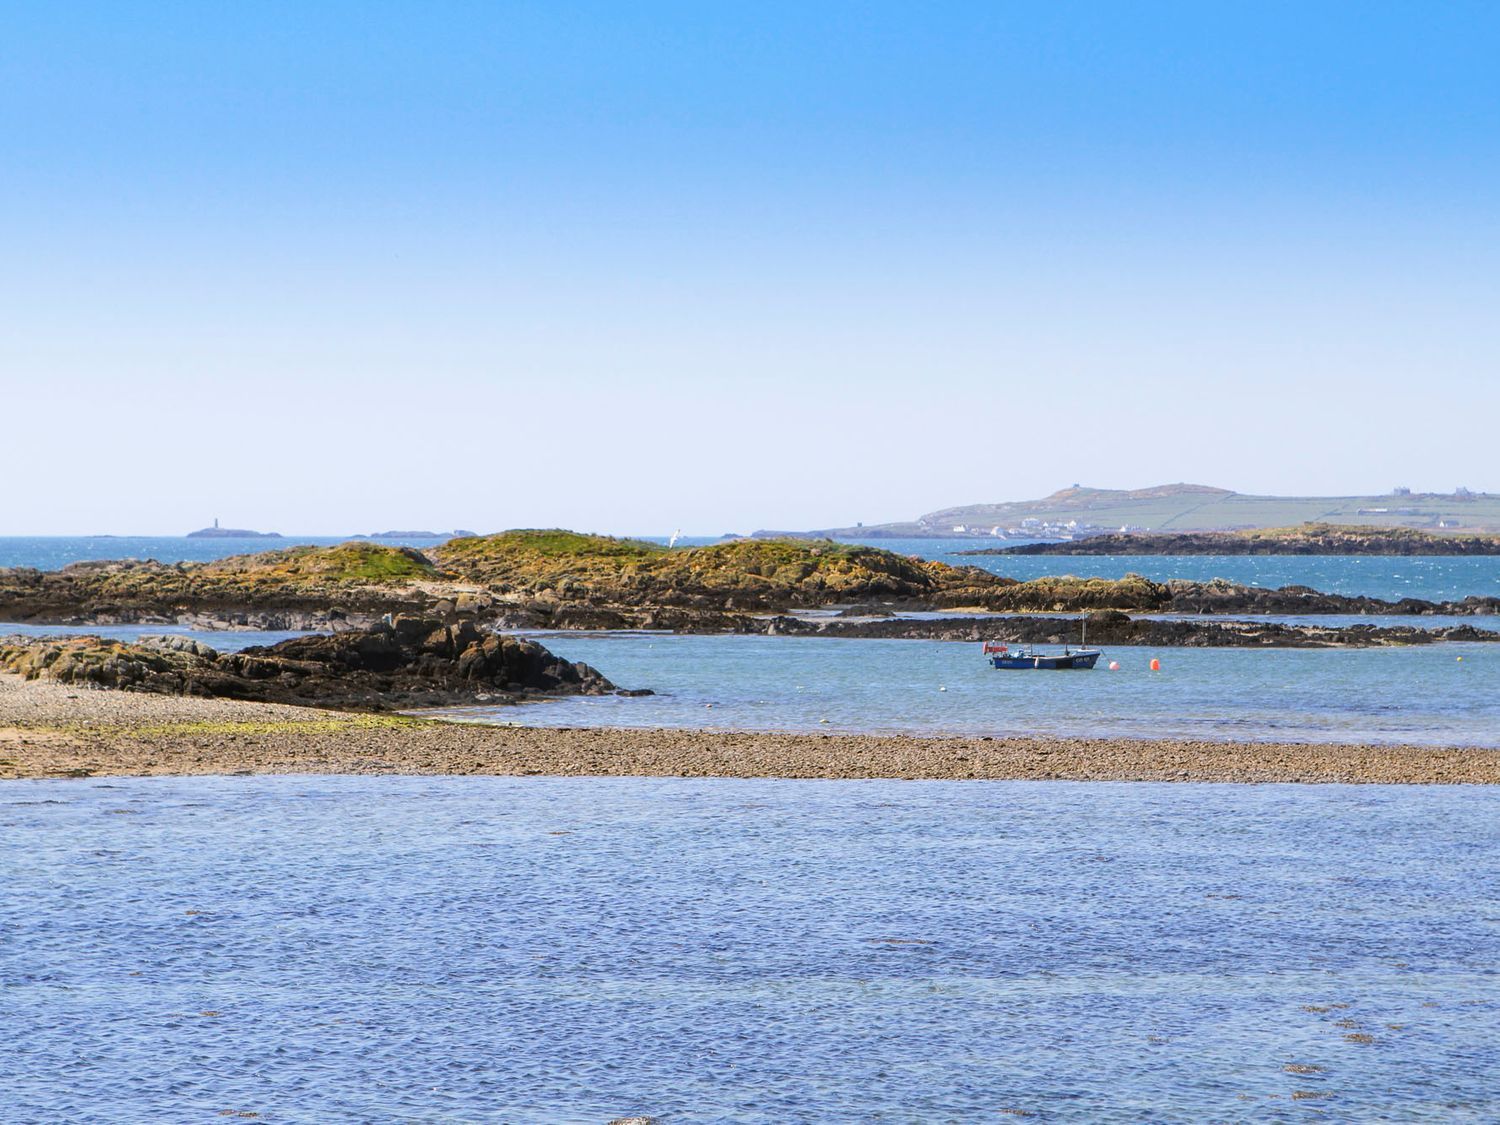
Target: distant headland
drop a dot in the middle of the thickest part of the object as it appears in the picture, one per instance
(1077, 512)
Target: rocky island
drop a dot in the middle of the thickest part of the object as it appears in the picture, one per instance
(1307, 539)
(567, 580)
(217, 532)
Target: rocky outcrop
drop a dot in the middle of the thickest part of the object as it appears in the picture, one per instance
(562, 580)
(1076, 595)
(1221, 596)
(302, 587)
(404, 663)
(1308, 539)
(1110, 627)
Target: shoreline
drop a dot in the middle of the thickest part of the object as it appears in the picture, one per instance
(49, 730)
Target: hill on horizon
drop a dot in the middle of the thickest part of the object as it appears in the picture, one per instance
(1187, 507)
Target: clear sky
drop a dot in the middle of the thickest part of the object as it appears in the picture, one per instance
(329, 267)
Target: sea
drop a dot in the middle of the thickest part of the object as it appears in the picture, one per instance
(560, 950)
(464, 949)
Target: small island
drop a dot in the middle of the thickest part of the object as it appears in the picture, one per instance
(217, 532)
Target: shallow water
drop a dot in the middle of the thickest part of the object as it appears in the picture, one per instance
(1419, 694)
(553, 950)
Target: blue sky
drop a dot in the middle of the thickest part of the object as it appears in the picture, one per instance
(334, 267)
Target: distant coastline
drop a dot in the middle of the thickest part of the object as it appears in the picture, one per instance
(1075, 513)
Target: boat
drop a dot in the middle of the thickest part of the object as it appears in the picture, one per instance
(1028, 658)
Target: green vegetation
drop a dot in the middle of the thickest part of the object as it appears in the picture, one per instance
(553, 543)
(302, 573)
(749, 573)
(1067, 594)
(343, 565)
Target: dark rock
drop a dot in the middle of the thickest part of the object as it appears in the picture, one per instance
(407, 662)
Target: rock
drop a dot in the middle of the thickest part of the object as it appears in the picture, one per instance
(1308, 539)
(409, 662)
(174, 642)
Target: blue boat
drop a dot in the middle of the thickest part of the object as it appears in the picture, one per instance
(1027, 658)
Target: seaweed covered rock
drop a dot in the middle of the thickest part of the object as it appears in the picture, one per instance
(406, 661)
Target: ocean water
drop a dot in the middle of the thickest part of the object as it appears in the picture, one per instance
(1416, 694)
(315, 949)
(1430, 577)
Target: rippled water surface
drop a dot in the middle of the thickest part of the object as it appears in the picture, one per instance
(547, 950)
(1419, 694)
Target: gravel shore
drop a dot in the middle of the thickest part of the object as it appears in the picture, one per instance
(52, 730)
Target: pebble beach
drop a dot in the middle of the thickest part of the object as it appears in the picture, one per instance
(50, 730)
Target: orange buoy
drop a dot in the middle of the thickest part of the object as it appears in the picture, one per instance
(1155, 664)
(1114, 665)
